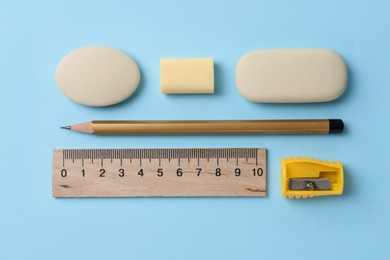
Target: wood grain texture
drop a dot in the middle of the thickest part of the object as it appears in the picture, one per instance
(165, 172)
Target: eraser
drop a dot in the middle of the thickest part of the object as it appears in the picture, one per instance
(97, 76)
(291, 75)
(187, 75)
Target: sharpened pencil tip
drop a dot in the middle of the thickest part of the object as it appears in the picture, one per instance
(65, 127)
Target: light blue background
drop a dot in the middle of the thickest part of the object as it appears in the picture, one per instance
(35, 35)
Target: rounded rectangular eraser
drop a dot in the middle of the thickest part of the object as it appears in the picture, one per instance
(187, 75)
(291, 75)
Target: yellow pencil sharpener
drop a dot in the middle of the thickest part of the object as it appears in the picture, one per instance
(306, 177)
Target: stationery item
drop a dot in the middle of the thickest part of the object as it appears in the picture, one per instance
(97, 76)
(320, 126)
(307, 177)
(187, 75)
(291, 75)
(191, 172)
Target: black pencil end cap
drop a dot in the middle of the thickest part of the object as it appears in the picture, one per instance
(336, 126)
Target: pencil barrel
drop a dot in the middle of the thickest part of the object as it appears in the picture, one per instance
(173, 127)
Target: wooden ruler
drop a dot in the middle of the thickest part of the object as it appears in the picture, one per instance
(159, 172)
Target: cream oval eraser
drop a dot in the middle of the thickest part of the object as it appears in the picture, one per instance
(97, 76)
(187, 75)
(291, 75)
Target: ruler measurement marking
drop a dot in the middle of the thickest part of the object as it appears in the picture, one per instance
(82, 157)
(256, 160)
(107, 154)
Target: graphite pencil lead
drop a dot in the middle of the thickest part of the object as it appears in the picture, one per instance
(66, 127)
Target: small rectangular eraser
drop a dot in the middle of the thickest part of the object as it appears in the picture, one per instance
(187, 75)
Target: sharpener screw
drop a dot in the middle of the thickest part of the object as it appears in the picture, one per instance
(311, 186)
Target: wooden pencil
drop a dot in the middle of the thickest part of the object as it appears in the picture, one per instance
(179, 127)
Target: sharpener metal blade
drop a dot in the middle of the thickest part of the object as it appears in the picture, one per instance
(310, 184)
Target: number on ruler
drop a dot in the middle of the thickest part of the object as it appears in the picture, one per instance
(258, 172)
(179, 172)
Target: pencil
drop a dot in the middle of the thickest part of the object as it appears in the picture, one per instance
(180, 127)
